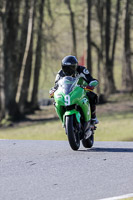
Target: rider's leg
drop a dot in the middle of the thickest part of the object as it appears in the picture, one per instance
(93, 113)
(93, 98)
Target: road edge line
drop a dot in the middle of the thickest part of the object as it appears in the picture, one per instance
(119, 197)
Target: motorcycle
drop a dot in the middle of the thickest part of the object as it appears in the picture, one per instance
(73, 108)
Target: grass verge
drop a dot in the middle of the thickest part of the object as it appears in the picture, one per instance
(113, 127)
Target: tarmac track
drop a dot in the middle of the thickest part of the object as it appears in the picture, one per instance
(50, 170)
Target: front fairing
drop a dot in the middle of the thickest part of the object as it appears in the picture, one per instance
(70, 93)
(67, 84)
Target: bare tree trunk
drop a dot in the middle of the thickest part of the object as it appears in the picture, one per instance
(38, 62)
(100, 7)
(89, 60)
(108, 70)
(27, 62)
(2, 77)
(98, 63)
(115, 31)
(11, 27)
(24, 30)
(127, 76)
(72, 27)
(107, 47)
(109, 65)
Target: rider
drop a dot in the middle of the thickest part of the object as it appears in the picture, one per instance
(70, 67)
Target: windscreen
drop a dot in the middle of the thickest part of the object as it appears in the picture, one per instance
(67, 83)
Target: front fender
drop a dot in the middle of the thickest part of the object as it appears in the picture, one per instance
(71, 112)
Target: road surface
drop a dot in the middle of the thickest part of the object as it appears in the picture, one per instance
(50, 170)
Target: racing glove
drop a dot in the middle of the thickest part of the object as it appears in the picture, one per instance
(51, 92)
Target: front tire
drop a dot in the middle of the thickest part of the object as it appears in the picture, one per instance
(88, 143)
(72, 132)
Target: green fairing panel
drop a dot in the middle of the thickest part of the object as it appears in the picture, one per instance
(80, 98)
(82, 82)
(71, 112)
(84, 104)
(60, 112)
(77, 97)
(59, 99)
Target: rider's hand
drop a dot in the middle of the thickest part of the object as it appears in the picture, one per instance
(51, 92)
(89, 88)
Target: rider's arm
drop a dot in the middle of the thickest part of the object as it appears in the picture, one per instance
(85, 74)
(57, 78)
(59, 75)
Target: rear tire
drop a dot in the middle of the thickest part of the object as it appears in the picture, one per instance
(88, 143)
(72, 133)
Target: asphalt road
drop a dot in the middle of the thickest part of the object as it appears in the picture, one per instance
(50, 170)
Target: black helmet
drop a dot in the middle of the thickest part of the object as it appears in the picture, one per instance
(69, 65)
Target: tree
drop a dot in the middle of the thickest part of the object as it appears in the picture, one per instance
(127, 76)
(89, 60)
(100, 9)
(74, 51)
(109, 53)
(2, 72)
(25, 32)
(27, 60)
(34, 100)
(11, 30)
(22, 45)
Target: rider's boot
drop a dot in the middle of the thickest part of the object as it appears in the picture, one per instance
(95, 120)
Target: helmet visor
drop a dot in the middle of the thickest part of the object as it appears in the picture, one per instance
(69, 70)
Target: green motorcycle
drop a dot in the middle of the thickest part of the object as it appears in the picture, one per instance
(73, 108)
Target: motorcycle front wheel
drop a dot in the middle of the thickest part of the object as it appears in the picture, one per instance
(72, 133)
(88, 143)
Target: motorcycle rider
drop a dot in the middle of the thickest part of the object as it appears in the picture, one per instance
(70, 67)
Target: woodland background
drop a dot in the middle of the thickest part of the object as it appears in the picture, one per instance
(36, 34)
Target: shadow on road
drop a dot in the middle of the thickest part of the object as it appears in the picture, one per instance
(102, 149)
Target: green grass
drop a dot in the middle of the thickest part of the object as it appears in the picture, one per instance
(41, 131)
(115, 127)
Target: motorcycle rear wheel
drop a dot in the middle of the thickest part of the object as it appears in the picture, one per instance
(88, 143)
(73, 135)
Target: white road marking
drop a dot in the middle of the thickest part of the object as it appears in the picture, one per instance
(119, 197)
